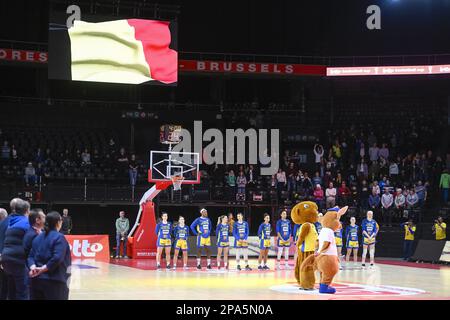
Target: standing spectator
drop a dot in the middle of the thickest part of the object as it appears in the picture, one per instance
(50, 262)
(318, 154)
(133, 170)
(36, 219)
(374, 202)
(291, 178)
(421, 191)
(374, 153)
(122, 158)
(13, 254)
(410, 230)
(362, 171)
(393, 171)
(387, 200)
(241, 182)
(444, 184)
(364, 193)
(281, 181)
(317, 179)
(231, 183)
(399, 202)
(440, 229)
(384, 151)
(330, 196)
(14, 155)
(67, 222)
(412, 200)
(251, 176)
(122, 227)
(318, 196)
(3, 225)
(85, 157)
(6, 151)
(344, 194)
(30, 174)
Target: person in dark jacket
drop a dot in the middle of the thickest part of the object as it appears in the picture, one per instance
(37, 222)
(13, 254)
(3, 283)
(49, 262)
(67, 222)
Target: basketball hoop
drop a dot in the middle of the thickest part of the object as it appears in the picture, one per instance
(177, 181)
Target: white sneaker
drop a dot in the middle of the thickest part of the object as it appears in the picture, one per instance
(174, 268)
(185, 268)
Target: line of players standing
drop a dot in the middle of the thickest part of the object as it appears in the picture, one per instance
(202, 228)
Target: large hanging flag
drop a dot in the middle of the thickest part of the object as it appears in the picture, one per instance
(123, 51)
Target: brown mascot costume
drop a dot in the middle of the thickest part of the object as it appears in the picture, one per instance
(326, 260)
(305, 214)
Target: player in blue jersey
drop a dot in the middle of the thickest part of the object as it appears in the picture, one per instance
(201, 227)
(181, 234)
(284, 232)
(352, 240)
(370, 230)
(264, 231)
(223, 243)
(295, 234)
(164, 242)
(240, 234)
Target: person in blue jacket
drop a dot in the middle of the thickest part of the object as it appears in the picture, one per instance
(3, 226)
(201, 227)
(240, 234)
(223, 241)
(284, 232)
(50, 262)
(13, 254)
(37, 223)
(352, 240)
(164, 242)
(264, 231)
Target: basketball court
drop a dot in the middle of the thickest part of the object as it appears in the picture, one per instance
(139, 279)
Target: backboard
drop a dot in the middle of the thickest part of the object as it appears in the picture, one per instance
(166, 164)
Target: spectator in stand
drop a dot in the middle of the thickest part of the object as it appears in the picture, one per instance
(399, 203)
(336, 152)
(122, 159)
(66, 227)
(30, 175)
(14, 155)
(231, 184)
(387, 200)
(316, 179)
(444, 184)
(291, 178)
(383, 183)
(410, 230)
(133, 170)
(393, 171)
(374, 153)
(318, 196)
(384, 151)
(440, 229)
(364, 193)
(344, 194)
(241, 182)
(374, 202)
(307, 184)
(412, 200)
(39, 156)
(85, 158)
(362, 172)
(327, 178)
(251, 176)
(376, 188)
(330, 196)
(318, 154)
(281, 181)
(371, 139)
(6, 151)
(13, 254)
(421, 191)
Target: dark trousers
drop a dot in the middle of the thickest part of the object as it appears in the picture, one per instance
(3, 285)
(17, 277)
(407, 249)
(387, 215)
(42, 289)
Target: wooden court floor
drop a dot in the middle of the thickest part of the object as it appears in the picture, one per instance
(138, 280)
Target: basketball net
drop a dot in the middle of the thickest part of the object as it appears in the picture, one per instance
(177, 181)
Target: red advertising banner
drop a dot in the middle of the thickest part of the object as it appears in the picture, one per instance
(23, 55)
(251, 68)
(388, 70)
(89, 246)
